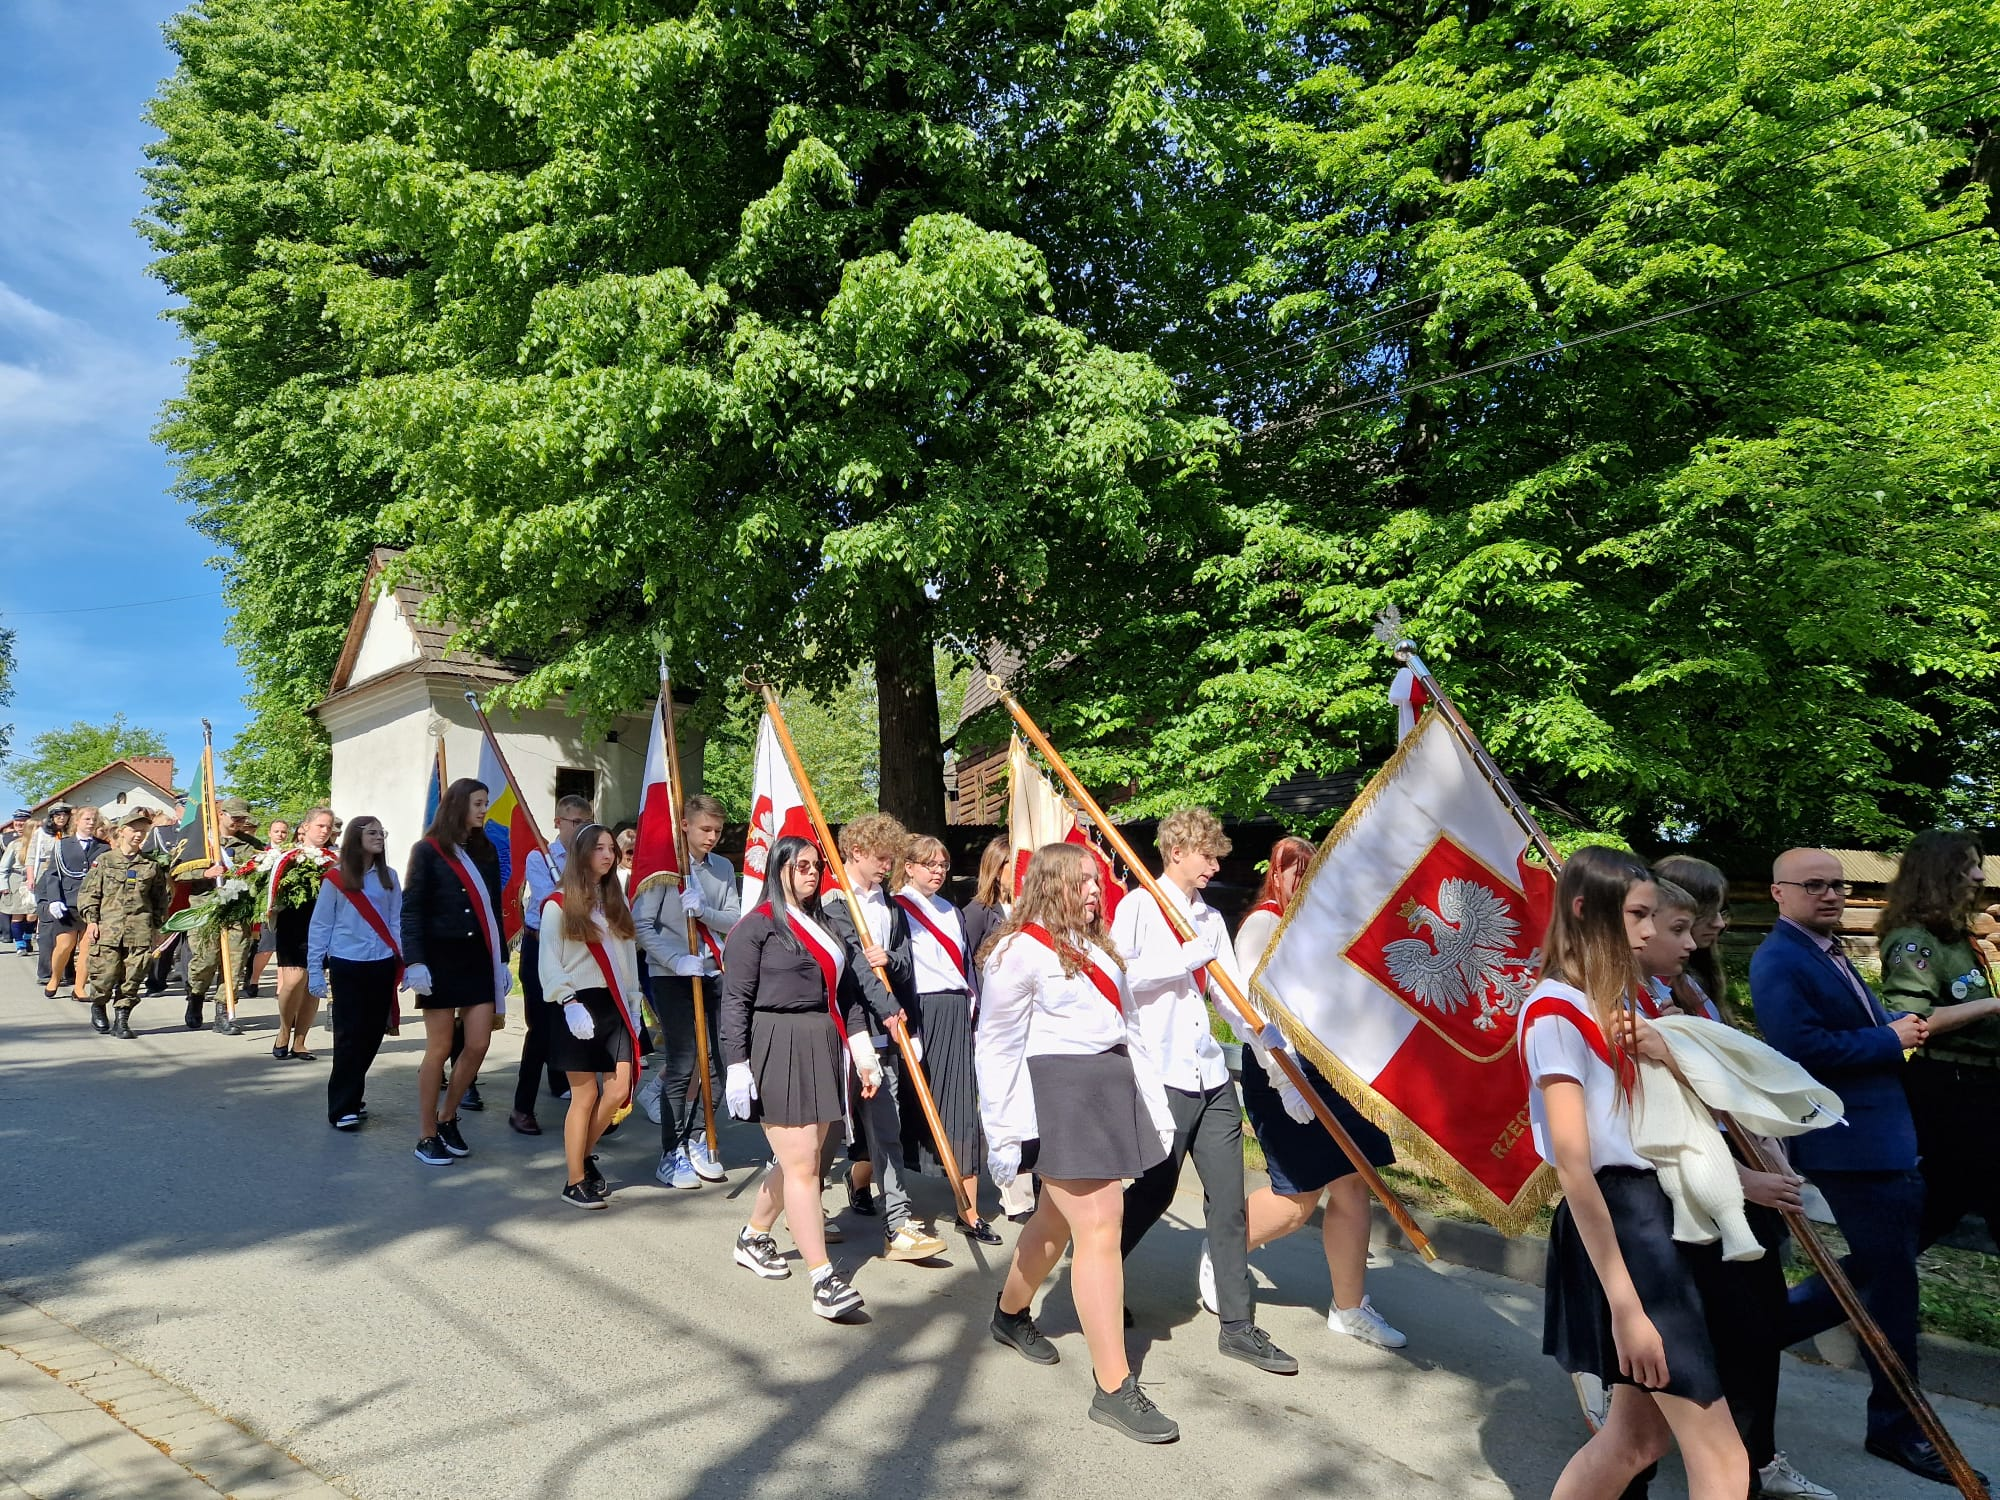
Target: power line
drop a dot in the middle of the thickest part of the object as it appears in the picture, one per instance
(1591, 338)
(92, 609)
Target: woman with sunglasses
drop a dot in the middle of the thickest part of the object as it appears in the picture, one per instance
(353, 949)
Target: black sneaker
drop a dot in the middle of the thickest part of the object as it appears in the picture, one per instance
(453, 1141)
(1254, 1347)
(347, 1122)
(1019, 1333)
(583, 1195)
(860, 1199)
(834, 1298)
(759, 1253)
(430, 1151)
(472, 1101)
(1131, 1411)
(594, 1175)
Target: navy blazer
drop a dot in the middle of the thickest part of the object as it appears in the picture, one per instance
(1808, 1010)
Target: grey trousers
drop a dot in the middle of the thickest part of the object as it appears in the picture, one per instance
(878, 1132)
(1208, 1127)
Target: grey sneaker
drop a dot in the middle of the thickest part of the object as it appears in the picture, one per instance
(675, 1171)
(759, 1253)
(1778, 1477)
(1019, 1333)
(1254, 1347)
(833, 1298)
(1131, 1411)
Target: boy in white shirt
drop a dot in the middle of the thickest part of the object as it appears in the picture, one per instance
(1169, 979)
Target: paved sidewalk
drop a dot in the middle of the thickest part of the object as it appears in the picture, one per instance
(72, 1415)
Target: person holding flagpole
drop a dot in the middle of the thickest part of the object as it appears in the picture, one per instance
(456, 957)
(1068, 1089)
(353, 948)
(708, 896)
(945, 1015)
(1170, 985)
(590, 973)
(786, 1041)
(1306, 1168)
(542, 875)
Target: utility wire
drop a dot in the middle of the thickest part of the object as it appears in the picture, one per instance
(92, 609)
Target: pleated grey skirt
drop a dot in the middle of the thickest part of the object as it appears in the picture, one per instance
(796, 1060)
(1092, 1121)
(947, 1035)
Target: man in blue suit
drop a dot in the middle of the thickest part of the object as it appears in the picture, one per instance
(1813, 1006)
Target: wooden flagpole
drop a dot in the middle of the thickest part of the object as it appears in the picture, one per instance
(1870, 1332)
(506, 770)
(913, 1068)
(1218, 975)
(676, 811)
(211, 816)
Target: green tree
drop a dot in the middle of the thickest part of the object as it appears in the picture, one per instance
(1731, 571)
(57, 757)
(6, 687)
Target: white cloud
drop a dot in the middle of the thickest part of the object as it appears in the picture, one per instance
(58, 374)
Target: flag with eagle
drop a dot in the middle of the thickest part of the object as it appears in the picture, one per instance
(1403, 964)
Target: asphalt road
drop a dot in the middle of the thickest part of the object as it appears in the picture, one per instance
(411, 1332)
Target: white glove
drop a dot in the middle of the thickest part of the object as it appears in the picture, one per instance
(417, 979)
(1270, 1038)
(866, 1063)
(916, 1047)
(740, 1089)
(691, 900)
(710, 969)
(1196, 953)
(1003, 1163)
(580, 1024)
(58, 910)
(1288, 1094)
(690, 966)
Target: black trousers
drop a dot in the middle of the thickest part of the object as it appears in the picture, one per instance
(1208, 1127)
(1956, 1107)
(364, 995)
(680, 1093)
(538, 1018)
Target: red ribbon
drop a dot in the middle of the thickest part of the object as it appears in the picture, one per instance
(610, 974)
(1106, 986)
(923, 919)
(380, 928)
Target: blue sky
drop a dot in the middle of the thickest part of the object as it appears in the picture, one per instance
(85, 362)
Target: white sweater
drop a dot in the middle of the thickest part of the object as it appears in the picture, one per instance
(567, 966)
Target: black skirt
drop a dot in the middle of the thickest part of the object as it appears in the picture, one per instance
(1576, 1320)
(1302, 1158)
(1093, 1125)
(608, 1044)
(947, 1040)
(461, 974)
(289, 927)
(798, 1064)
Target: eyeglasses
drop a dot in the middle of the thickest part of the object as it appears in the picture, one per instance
(930, 864)
(1819, 887)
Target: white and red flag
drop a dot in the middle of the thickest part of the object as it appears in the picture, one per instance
(1038, 814)
(655, 856)
(1411, 698)
(1404, 963)
(776, 808)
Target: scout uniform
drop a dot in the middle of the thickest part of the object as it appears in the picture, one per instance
(205, 946)
(126, 896)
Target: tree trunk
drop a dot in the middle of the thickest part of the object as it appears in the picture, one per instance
(906, 696)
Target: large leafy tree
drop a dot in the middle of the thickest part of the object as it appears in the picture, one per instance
(56, 757)
(6, 687)
(1730, 571)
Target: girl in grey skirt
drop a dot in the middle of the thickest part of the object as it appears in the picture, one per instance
(787, 1043)
(1067, 1089)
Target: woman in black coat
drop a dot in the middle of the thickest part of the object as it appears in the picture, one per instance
(456, 957)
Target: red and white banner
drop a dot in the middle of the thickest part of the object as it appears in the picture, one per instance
(776, 809)
(1038, 814)
(1404, 964)
(653, 856)
(1407, 692)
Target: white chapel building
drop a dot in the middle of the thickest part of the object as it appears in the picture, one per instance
(397, 685)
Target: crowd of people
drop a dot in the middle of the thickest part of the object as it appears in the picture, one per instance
(1072, 1058)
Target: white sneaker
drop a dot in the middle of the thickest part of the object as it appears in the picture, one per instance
(1778, 1477)
(1204, 1280)
(703, 1161)
(675, 1171)
(909, 1240)
(1366, 1324)
(649, 1096)
(1595, 1400)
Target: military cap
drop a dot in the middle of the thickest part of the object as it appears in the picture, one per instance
(236, 807)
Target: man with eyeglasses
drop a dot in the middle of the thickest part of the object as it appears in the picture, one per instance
(1813, 1005)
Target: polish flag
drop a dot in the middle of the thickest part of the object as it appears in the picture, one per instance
(1037, 814)
(1403, 967)
(1407, 692)
(776, 809)
(653, 856)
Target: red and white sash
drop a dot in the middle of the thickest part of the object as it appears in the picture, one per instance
(1622, 1066)
(482, 903)
(954, 953)
(830, 955)
(1094, 966)
(1275, 908)
(610, 972)
(366, 908)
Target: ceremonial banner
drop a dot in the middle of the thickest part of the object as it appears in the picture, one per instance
(1407, 693)
(1405, 960)
(1037, 814)
(654, 856)
(776, 809)
(512, 832)
(434, 789)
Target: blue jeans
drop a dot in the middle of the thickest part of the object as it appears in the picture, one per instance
(1880, 1214)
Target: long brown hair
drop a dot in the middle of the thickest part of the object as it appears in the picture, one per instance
(1052, 898)
(355, 862)
(1710, 889)
(1587, 946)
(994, 889)
(1287, 855)
(454, 810)
(1929, 888)
(585, 895)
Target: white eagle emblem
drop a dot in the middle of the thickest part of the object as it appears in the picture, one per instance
(1467, 958)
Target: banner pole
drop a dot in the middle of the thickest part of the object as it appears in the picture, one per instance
(212, 829)
(513, 782)
(674, 800)
(968, 1209)
(1282, 1055)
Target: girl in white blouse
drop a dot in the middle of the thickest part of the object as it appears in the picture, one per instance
(1067, 1090)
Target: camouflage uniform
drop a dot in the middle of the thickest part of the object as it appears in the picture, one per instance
(126, 895)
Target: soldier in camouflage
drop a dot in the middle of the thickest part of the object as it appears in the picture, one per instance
(123, 901)
(239, 845)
